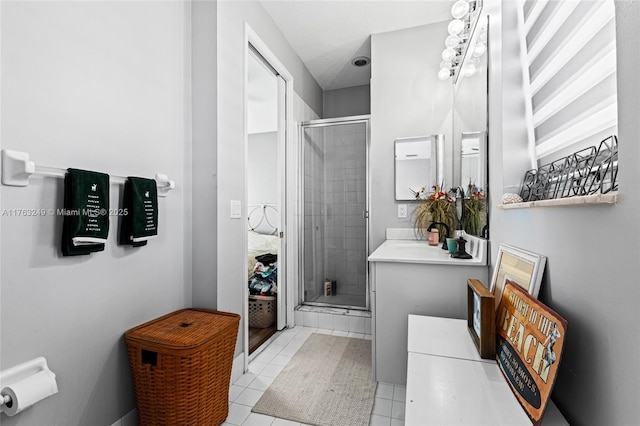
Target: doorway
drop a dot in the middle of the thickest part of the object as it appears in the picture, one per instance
(266, 134)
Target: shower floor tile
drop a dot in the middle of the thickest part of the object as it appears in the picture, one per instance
(342, 299)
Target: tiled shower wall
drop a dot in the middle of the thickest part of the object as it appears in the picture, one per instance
(335, 199)
(345, 200)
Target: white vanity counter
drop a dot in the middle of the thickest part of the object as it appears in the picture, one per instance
(411, 277)
(419, 251)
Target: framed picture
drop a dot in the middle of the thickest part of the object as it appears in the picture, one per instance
(531, 373)
(519, 266)
(481, 316)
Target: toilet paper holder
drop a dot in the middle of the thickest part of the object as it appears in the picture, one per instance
(21, 372)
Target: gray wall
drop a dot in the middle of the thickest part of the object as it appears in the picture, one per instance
(101, 86)
(407, 99)
(592, 266)
(231, 145)
(204, 247)
(346, 102)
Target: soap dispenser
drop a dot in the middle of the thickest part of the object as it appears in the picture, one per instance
(461, 253)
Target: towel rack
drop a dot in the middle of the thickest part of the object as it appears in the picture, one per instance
(17, 169)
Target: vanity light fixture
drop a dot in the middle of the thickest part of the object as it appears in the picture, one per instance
(469, 70)
(455, 27)
(444, 73)
(479, 49)
(449, 54)
(457, 43)
(460, 9)
(452, 41)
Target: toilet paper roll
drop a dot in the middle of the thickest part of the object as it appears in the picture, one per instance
(24, 393)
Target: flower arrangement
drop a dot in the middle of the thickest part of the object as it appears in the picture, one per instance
(436, 206)
(475, 204)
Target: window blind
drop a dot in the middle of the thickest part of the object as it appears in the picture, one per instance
(571, 71)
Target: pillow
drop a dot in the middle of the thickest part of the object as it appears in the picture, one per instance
(260, 244)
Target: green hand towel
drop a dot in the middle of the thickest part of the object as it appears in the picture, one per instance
(140, 223)
(86, 223)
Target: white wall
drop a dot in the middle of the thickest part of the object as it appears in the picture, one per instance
(592, 254)
(262, 168)
(231, 175)
(262, 95)
(346, 102)
(407, 99)
(204, 102)
(101, 86)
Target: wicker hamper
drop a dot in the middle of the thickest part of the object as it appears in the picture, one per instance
(181, 367)
(262, 311)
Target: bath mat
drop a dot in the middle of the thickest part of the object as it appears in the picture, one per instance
(327, 382)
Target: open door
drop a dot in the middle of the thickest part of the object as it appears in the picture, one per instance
(266, 200)
(281, 164)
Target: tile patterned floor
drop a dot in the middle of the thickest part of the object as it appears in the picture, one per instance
(388, 408)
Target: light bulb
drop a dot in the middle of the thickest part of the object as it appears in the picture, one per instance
(448, 54)
(452, 40)
(446, 64)
(459, 9)
(469, 70)
(444, 74)
(455, 27)
(483, 35)
(473, 60)
(479, 50)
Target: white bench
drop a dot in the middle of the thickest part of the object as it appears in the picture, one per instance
(449, 384)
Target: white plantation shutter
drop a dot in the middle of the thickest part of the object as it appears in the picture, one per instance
(571, 70)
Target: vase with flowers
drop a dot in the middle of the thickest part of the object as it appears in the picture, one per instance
(435, 206)
(475, 204)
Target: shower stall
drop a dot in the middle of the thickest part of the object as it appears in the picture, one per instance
(334, 204)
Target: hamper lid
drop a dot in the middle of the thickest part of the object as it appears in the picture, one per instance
(184, 328)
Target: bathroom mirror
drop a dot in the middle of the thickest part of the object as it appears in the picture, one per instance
(417, 164)
(473, 158)
(470, 127)
(470, 116)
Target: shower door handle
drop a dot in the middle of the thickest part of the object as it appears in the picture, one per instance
(365, 214)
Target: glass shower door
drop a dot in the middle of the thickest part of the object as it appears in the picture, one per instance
(335, 208)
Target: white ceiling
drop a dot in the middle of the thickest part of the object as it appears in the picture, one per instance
(327, 35)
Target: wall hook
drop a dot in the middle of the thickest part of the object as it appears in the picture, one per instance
(164, 184)
(16, 168)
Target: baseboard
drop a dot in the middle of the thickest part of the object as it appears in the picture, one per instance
(129, 419)
(237, 370)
